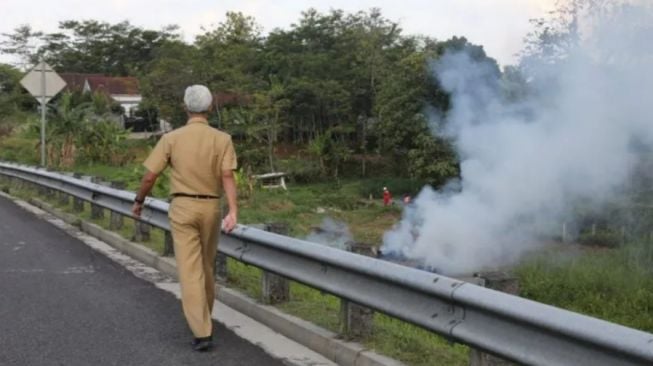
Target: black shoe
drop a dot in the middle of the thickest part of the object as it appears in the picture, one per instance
(202, 344)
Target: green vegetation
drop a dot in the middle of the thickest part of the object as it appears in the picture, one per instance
(341, 102)
(305, 206)
(345, 91)
(611, 284)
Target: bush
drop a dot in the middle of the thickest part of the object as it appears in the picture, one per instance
(6, 129)
(251, 155)
(103, 142)
(11, 124)
(19, 150)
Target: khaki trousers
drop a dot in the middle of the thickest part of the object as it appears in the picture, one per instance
(194, 224)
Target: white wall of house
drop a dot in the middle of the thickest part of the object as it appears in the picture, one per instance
(128, 102)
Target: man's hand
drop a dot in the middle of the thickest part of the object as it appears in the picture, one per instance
(146, 186)
(137, 209)
(229, 222)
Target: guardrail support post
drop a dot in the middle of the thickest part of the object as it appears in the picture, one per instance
(41, 190)
(5, 184)
(504, 282)
(275, 289)
(356, 321)
(168, 244)
(141, 231)
(64, 198)
(96, 211)
(117, 221)
(78, 203)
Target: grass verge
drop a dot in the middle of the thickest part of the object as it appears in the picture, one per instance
(611, 284)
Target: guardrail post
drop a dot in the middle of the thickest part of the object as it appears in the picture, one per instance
(117, 221)
(78, 203)
(5, 183)
(504, 282)
(275, 289)
(43, 190)
(64, 198)
(20, 184)
(141, 231)
(356, 321)
(49, 192)
(96, 211)
(168, 244)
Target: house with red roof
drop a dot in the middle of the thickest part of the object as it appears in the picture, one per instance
(124, 90)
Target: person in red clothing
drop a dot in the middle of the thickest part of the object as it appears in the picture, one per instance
(387, 197)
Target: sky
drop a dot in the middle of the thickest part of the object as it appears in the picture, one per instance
(498, 25)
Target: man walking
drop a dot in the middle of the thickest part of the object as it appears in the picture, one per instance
(202, 161)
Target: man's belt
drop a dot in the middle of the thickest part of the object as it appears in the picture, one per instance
(196, 196)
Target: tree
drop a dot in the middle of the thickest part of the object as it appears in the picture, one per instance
(410, 106)
(432, 159)
(308, 60)
(375, 42)
(554, 37)
(331, 151)
(22, 44)
(167, 76)
(270, 107)
(12, 96)
(89, 46)
(399, 106)
(229, 55)
(514, 84)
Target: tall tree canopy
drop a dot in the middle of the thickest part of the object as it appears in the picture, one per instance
(89, 46)
(347, 89)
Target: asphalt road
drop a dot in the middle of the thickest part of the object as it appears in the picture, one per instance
(62, 303)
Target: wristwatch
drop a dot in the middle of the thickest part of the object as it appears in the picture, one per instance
(141, 201)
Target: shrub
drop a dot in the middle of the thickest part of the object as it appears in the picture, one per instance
(103, 142)
(19, 150)
(6, 129)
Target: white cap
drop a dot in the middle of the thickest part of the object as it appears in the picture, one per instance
(198, 98)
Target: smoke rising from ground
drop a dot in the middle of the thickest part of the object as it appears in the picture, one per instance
(524, 165)
(331, 233)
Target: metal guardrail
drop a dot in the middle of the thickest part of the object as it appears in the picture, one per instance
(508, 326)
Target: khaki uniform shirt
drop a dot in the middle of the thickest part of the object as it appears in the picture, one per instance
(197, 154)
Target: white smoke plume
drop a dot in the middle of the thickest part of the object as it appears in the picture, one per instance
(526, 164)
(332, 233)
